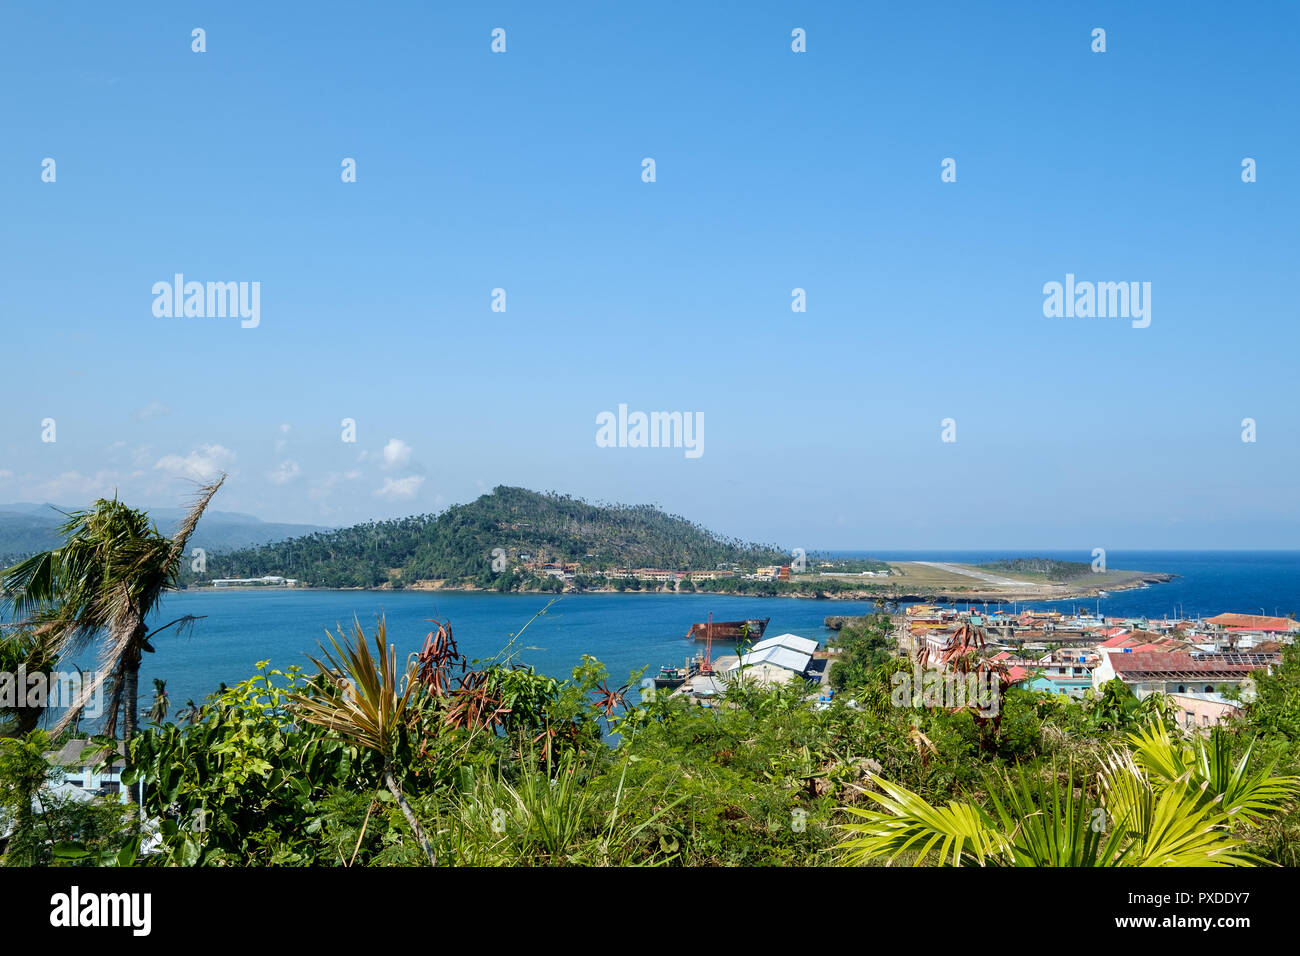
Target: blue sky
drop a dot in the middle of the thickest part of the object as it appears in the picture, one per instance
(775, 170)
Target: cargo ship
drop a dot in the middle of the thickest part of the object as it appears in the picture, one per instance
(751, 630)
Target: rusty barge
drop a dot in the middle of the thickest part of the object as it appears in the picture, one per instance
(750, 630)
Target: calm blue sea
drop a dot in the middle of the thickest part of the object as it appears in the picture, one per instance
(631, 631)
(1208, 582)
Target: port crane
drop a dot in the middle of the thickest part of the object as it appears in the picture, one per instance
(706, 666)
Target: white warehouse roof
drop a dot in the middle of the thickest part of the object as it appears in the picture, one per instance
(804, 645)
(784, 657)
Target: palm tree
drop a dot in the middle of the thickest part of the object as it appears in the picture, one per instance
(362, 698)
(100, 587)
(1164, 802)
(161, 702)
(190, 713)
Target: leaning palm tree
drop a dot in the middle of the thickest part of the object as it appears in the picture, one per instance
(361, 697)
(99, 588)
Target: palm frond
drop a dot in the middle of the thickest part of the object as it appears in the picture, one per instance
(1169, 824)
(186, 528)
(1207, 765)
(28, 586)
(957, 832)
(1053, 826)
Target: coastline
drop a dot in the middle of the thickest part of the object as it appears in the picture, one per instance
(1030, 591)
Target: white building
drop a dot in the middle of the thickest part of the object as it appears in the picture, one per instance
(775, 660)
(84, 773)
(269, 580)
(804, 645)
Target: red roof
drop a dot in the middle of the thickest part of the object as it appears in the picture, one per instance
(1152, 662)
(1017, 674)
(1254, 622)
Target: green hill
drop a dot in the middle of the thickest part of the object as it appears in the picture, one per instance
(458, 544)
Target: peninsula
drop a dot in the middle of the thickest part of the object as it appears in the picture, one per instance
(519, 540)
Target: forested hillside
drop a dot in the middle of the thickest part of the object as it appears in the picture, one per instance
(458, 544)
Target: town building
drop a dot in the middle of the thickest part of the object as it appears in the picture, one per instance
(775, 660)
(1198, 711)
(1147, 672)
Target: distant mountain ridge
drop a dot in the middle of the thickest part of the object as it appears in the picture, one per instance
(459, 543)
(26, 528)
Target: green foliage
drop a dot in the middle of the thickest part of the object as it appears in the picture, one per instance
(1162, 802)
(49, 828)
(1275, 709)
(1117, 708)
(865, 645)
(22, 647)
(556, 819)
(241, 785)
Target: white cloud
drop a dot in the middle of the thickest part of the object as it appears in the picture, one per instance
(284, 473)
(396, 452)
(151, 411)
(201, 464)
(5, 473)
(397, 489)
(74, 487)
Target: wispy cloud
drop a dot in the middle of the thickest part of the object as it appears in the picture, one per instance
(74, 486)
(151, 411)
(201, 464)
(400, 489)
(284, 472)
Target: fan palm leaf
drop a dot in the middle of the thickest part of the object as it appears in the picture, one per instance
(1165, 803)
(1207, 764)
(955, 833)
(1169, 824)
